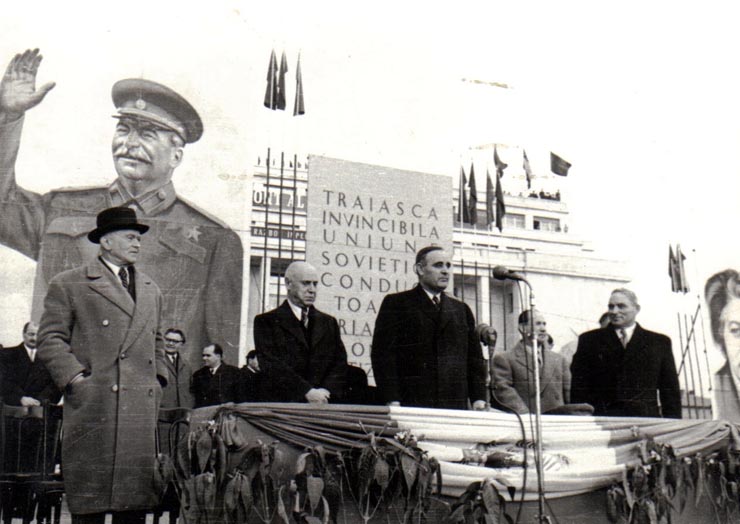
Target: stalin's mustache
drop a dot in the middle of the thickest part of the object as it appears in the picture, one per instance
(124, 152)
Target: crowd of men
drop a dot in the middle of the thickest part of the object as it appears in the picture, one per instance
(101, 342)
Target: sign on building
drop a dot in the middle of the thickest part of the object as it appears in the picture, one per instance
(364, 226)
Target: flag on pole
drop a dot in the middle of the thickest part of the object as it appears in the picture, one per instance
(558, 165)
(298, 106)
(280, 103)
(462, 201)
(676, 270)
(271, 93)
(683, 282)
(500, 166)
(672, 272)
(490, 195)
(500, 205)
(473, 198)
(527, 169)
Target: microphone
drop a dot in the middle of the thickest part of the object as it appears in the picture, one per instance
(503, 273)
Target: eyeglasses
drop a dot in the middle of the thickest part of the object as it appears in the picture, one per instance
(172, 341)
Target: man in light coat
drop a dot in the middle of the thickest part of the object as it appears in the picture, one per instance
(100, 340)
(513, 371)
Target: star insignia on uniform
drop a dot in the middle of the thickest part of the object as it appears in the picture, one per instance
(193, 233)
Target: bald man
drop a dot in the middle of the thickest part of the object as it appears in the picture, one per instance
(300, 351)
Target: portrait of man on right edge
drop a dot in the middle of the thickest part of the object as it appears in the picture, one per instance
(722, 293)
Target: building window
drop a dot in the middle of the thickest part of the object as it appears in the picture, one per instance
(546, 224)
(514, 221)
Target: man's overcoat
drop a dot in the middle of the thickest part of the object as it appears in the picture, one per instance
(91, 325)
(294, 360)
(626, 382)
(424, 357)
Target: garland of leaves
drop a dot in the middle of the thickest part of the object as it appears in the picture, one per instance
(662, 484)
(220, 476)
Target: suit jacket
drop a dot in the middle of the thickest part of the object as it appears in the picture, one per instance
(212, 389)
(726, 405)
(177, 394)
(513, 379)
(92, 325)
(24, 378)
(426, 357)
(296, 360)
(193, 257)
(251, 385)
(626, 382)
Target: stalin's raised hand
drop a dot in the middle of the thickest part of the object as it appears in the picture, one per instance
(18, 91)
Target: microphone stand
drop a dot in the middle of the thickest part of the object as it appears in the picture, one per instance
(541, 517)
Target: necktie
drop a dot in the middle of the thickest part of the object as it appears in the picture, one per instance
(32, 355)
(304, 317)
(435, 301)
(622, 337)
(123, 275)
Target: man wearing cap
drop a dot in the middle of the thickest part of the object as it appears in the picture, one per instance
(195, 259)
(100, 340)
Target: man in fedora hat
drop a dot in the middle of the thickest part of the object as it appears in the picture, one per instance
(100, 340)
(196, 260)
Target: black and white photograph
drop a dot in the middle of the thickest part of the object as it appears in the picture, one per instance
(316, 262)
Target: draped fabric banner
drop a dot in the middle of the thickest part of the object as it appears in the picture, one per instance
(581, 454)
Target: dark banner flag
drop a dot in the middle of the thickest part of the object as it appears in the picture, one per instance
(500, 205)
(500, 166)
(298, 107)
(271, 92)
(473, 198)
(558, 166)
(280, 104)
(490, 195)
(527, 169)
(462, 201)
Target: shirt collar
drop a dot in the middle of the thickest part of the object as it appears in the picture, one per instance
(297, 310)
(431, 295)
(150, 203)
(113, 267)
(628, 331)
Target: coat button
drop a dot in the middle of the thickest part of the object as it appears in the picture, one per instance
(123, 356)
(151, 392)
(106, 322)
(150, 361)
(114, 388)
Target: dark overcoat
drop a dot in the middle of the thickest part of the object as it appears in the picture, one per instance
(24, 378)
(294, 360)
(514, 381)
(626, 382)
(91, 325)
(212, 389)
(425, 357)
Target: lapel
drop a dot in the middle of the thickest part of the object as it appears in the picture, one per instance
(521, 355)
(105, 283)
(427, 307)
(144, 309)
(317, 325)
(637, 343)
(287, 321)
(170, 366)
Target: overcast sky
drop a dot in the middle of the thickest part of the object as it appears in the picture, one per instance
(641, 97)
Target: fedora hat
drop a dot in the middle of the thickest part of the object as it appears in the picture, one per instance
(115, 219)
